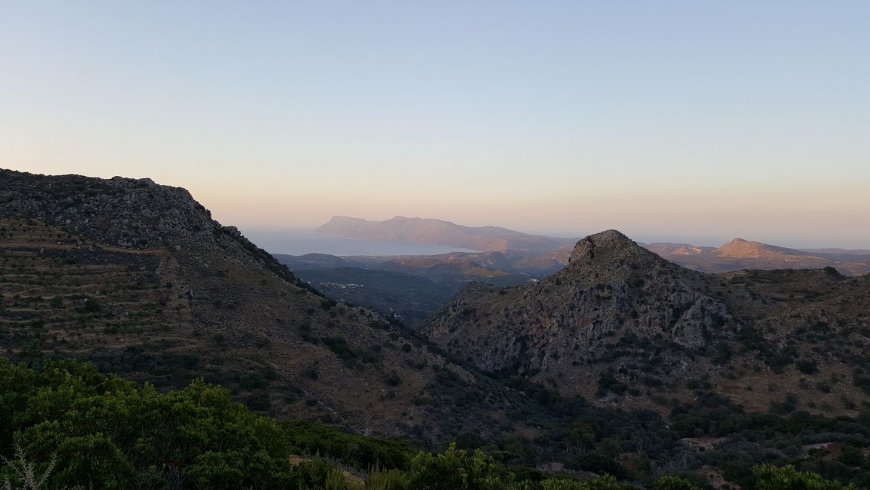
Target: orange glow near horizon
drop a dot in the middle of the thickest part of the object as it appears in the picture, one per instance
(667, 121)
(833, 215)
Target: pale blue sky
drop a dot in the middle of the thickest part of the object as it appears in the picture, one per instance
(692, 121)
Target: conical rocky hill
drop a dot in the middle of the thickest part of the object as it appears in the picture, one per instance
(620, 324)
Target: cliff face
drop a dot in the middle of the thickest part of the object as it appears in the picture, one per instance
(620, 320)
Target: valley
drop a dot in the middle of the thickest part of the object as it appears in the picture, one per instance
(415, 287)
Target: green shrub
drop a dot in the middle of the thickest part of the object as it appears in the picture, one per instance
(455, 469)
(788, 478)
(671, 482)
(362, 452)
(387, 480)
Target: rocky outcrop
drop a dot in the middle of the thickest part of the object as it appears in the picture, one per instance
(127, 213)
(130, 213)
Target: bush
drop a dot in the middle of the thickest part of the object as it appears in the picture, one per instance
(807, 366)
(338, 345)
(788, 478)
(607, 383)
(455, 469)
(362, 452)
(387, 480)
(671, 482)
(111, 433)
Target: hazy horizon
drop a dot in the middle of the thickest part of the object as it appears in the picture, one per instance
(674, 121)
(290, 240)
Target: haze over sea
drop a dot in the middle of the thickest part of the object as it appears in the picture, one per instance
(301, 242)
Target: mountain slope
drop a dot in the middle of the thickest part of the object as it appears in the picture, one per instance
(622, 325)
(438, 232)
(139, 279)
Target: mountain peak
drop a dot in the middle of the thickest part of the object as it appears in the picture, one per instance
(609, 243)
(610, 256)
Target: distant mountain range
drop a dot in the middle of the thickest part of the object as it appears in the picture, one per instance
(538, 254)
(438, 232)
(741, 254)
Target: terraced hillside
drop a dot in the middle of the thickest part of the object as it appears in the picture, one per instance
(66, 291)
(139, 279)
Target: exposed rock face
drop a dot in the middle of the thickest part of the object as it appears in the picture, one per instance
(610, 286)
(123, 212)
(621, 312)
(657, 296)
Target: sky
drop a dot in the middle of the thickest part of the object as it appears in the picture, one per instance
(678, 121)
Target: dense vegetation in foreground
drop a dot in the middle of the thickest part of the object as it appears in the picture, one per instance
(74, 427)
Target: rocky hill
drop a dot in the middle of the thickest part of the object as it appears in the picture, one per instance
(621, 325)
(139, 279)
(438, 232)
(745, 249)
